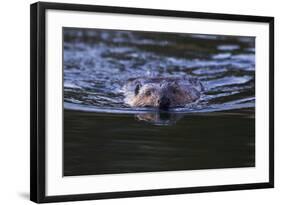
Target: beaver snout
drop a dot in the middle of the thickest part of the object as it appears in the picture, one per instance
(164, 102)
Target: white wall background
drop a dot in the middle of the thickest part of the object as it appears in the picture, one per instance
(14, 101)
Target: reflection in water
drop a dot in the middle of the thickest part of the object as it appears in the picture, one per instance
(103, 135)
(159, 117)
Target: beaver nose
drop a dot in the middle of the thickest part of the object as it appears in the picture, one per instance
(164, 102)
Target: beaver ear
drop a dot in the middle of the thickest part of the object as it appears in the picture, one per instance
(137, 88)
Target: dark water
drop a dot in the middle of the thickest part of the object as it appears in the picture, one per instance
(102, 135)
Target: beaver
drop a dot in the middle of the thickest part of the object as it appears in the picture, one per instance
(162, 92)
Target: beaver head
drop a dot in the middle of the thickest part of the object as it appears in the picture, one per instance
(160, 92)
(163, 95)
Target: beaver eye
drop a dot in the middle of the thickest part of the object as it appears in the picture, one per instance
(174, 90)
(148, 93)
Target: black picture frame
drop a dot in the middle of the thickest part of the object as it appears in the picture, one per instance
(38, 100)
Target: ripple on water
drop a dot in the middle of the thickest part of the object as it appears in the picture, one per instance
(97, 63)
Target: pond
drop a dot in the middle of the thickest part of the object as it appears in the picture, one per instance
(103, 135)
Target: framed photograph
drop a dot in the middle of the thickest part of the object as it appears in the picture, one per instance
(129, 102)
